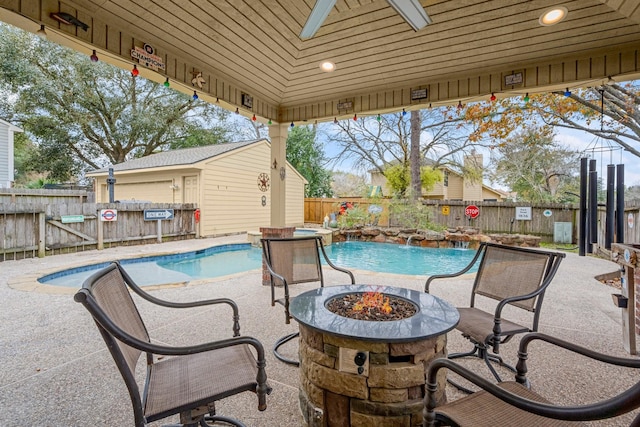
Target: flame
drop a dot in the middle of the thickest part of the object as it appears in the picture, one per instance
(371, 300)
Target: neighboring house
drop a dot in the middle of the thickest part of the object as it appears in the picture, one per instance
(6, 153)
(229, 182)
(453, 186)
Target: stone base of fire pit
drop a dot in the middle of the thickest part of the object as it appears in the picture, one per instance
(391, 395)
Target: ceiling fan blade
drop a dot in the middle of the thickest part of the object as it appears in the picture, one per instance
(412, 12)
(318, 14)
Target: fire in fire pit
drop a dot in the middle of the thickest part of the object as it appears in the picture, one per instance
(373, 306)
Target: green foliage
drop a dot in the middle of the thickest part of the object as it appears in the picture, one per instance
(532, 164)
(353, 217)
(412, 214)
(84, 115)
(306, 155)
(399, 178)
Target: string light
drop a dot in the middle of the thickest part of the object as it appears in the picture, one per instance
(166, 82)
(493, 97)
(195, 96)
(526, 97)
(335, 120)
(237, 111)
(404, 113)
(135, 71)
(429, 105)
(292, 124)
(355, 117)
(94, 56)
(460, 105)
(269, 122)
(217, 100)
(253, 119)
(378, 118)
(567, 92)
(41, 32)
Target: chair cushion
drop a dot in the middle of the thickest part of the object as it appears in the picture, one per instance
(483, 409)
(478, 324)
(183, 382)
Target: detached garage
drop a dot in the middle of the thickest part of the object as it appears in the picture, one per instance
(229, 182)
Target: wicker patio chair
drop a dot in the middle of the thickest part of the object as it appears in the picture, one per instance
(510, 275)
(514, 404)
(290, 261)
(196, 377)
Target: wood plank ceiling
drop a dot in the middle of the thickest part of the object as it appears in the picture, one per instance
(253, 47)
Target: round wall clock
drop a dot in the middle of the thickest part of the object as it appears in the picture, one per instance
(263, 181)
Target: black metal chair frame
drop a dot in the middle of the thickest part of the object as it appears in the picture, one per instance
(276, 277)
(112, 333)
(622, 403)
(497, 336)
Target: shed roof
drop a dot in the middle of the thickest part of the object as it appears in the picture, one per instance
(183, 156)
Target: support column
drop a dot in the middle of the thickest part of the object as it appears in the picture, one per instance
(278, 134)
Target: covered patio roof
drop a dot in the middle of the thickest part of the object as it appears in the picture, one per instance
(251, 56)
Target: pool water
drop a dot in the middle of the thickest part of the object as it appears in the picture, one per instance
(229, 259)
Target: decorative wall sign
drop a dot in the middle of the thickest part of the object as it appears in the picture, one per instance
(514, 79)
(417, 94)
(146, 56)
(523, 213)
(247, 100)
(197, 79)
(263, 181)
(346, 105)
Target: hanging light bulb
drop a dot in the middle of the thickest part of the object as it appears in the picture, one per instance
(253, 119)
(269, 122)
(237, 111)
(135, 71)
(94, 56)
(429, 105)
(166, 82)
(41, 32)
(217, 100)
(404, 113)
(493, 97)
(526, 97)
(292, 124)
(378, 118)
(567, 92)
(335, 120)
(195, 95)
(460, 105)
(355, 117)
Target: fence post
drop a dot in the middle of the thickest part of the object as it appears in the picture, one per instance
(159, 227)
(100, 231)
(41, 235)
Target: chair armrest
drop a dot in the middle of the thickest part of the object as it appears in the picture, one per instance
(479, 252)
(622, 403)
(332, 265)
(164, 303)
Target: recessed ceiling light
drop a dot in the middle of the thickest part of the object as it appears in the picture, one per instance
(327, 66)
(553, 16)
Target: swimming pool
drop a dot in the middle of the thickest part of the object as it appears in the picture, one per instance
(223, 260)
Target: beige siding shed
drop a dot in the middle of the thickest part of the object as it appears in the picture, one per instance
(221, 179)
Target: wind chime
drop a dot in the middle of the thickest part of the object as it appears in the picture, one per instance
(614, 212)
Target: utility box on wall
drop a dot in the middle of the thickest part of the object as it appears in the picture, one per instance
(562, 232)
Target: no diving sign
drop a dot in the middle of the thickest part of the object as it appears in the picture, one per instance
(108, 215)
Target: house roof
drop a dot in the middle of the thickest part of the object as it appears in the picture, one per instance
(10, 126)
(184, 156)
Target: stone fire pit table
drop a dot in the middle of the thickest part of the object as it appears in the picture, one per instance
(368, 373)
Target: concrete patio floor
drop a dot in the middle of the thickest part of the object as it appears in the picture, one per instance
(56, 371)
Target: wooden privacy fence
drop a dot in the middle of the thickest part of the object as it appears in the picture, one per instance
(29, 230)
(494, 217)
(44, 196)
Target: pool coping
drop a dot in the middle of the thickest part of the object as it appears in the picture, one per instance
(29, 282)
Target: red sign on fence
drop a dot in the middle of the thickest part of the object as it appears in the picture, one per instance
(472, 211)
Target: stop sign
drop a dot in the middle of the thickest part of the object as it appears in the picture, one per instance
(472, 211)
